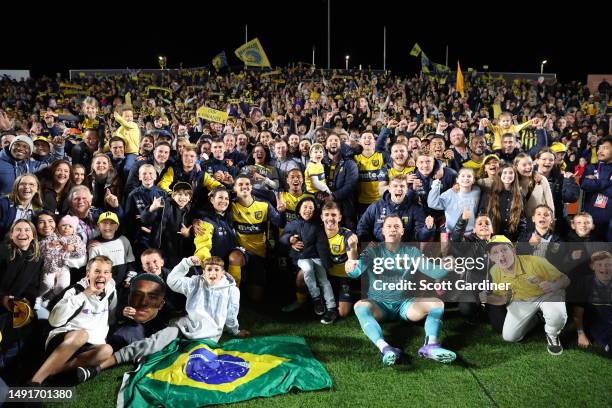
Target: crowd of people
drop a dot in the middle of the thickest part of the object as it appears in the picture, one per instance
(130, 219)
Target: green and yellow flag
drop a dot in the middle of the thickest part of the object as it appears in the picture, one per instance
(201, 372)
(219, 61)
(252, 54)
(416, 50)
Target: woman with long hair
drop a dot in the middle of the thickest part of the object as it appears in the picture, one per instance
(55, 188)
(562, 185)
(22, 202)
(534, 187)
(504, 204)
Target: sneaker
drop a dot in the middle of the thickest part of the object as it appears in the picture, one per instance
(554, 346)
(292, 307)
(319, 306)
(390, 355)
(85, 373)
(330, 316)
(437, 353)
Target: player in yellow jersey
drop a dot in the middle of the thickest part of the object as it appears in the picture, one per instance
(398, 165)
(370, 163)
(250, 220)
(295, 182)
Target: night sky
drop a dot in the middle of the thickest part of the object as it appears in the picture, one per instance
(133, 36)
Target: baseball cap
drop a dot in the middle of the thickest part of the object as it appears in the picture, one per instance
(558, 147)
(498, 239)
(41, 139)
(109, 215)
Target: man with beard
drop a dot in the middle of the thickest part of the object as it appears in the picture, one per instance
(80, 321)
(342, 177)
(477, 153)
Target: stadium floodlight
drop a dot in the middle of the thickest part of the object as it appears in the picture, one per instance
(346, 59)
(162, 61)
(542, 66)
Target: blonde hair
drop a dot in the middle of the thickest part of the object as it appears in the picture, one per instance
(213, 260)
(147, 166)
(14, 195)
(316, 146)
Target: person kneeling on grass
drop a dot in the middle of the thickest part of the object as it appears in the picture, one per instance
(386, 304)
(534, 284)
(81, 321)
(213, 302)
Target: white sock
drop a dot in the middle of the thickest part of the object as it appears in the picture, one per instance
(381, 344)
(431, 340)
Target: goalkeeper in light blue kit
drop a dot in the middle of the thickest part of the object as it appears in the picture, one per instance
(384, 305)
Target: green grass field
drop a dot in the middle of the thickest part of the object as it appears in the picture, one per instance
(488, 372)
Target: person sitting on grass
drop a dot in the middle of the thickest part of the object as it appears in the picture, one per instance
(534, 284)
(386, 305)
(593, 313)
(213, 301)
(80, 322)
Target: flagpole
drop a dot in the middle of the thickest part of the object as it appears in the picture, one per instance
(313, 55)
(446, 56)
(328, 33)
(246, 38)
(385, 48)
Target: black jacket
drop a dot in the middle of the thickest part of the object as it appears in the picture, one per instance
(312, 234)
(19, 277)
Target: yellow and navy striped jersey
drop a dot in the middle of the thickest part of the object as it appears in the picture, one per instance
(313, 169)
(390, 172)
(251, 224)
(291, 202)
(338, 245)
(370, 175)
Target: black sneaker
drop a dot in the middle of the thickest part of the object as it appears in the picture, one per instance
(330, 316)
(85, 373)
(554, 345)
(319, 306)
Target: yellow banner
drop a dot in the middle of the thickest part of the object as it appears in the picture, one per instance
(75, 92)
(233, 101)
(212, 115)
(67, 85)
(157, 88)
(253, 54)
(267, 74)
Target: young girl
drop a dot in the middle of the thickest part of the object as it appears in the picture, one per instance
(78, 174)
(56, 249)
(534, 187)
(454, 203)
(314, 175)
(504, 204)
(89, 119)
(310, 251)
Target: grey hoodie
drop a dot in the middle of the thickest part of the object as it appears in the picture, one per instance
(209, 308)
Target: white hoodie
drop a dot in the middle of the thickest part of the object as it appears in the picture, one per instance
(93, 312)
(209, 308)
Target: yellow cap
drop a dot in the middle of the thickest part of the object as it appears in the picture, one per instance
(109, 215)
(558, 147)
(489, 157)
(41, 138)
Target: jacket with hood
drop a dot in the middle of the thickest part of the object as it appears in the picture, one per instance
(448, 180)
(209, 308)
(165, 223)
(10, 168)
(312, 234)
(413, 217)
(77, 311)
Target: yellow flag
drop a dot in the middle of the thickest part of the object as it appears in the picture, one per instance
(128, 99)
(460, 85)
(416, 50)
(212, 115)
(252, 54)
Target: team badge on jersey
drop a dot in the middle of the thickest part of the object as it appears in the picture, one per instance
(405, 220)
(258, 215)
(375, 162)
(336, 248)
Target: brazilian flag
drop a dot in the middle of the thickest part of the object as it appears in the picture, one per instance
(194, 373)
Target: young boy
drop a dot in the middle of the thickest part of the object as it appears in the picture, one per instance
(168, 223)
(117, 248)
(504, 126)
(315, 173)
(532, 284)
(593, 312)
(137, 202)
(130, 133)
(80, 322)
